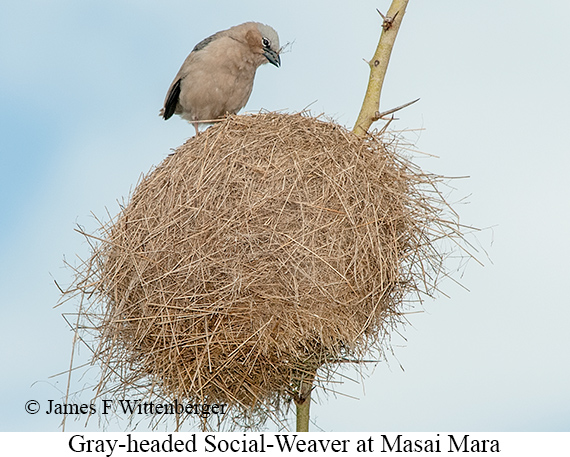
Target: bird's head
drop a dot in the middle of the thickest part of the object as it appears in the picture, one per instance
(270, 44)
(264, 41)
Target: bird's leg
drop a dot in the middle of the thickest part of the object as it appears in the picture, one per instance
(195, 124)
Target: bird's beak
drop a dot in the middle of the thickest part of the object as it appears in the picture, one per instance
(272, 56)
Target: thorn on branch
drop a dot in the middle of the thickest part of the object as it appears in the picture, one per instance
(388, 21)
(380, 115)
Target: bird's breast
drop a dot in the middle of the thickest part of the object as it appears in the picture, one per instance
(212, 94)
(219, 80)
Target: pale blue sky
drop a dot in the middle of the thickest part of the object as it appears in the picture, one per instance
(81, 84)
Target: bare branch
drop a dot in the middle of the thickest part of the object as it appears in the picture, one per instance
(379, 64)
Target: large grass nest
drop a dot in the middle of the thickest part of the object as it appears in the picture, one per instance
(263, 252)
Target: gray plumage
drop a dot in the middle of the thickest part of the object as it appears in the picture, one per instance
(217, 76)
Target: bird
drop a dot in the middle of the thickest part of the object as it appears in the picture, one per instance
(216, 78)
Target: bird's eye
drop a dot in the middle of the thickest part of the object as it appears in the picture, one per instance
(266, 43)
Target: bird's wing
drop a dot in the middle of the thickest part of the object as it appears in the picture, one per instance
(174, 93)
(172, 100)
